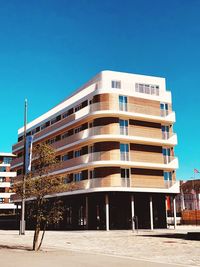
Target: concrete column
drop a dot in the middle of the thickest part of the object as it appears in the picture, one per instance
(132, 212)
(174, 204)
(107, 212)
(86, 211)
(151, 212)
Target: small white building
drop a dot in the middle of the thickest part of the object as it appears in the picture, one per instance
(6, 179)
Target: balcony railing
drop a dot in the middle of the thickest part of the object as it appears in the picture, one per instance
(114, 130)
(113, 156)
(134, 108)
(124, 182)
(133, 156)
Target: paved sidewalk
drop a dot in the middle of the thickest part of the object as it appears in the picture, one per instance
(159, 246)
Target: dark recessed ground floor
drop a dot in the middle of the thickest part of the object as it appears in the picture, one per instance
(112, 211)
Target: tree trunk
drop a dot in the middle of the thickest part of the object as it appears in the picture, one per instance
(36, 237)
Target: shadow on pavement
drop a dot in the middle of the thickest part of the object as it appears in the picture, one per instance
(15, 247)
(186, 236)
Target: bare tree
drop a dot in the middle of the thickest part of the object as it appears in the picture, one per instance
(41, 187)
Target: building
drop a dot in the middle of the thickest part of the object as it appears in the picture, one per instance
(189, 196)
(188, 202)
(6, 179)
(115, 139)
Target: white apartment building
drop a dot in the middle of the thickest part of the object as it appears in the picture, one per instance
(114, 137)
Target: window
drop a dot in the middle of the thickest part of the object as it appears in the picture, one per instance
(65, 135)
(65, 157)
(167, 176)
(54, 120)
(78, 107)
(20, 138)
(78, 176)
(123, 103)
(125, 173)
(33, 131)
(2, 169)
(65, 115)
(123, 124)
(149, 89)
(165, 131)
(37, 129)
(78, 129)
(116, 84)
(77, 153)
(164, 109)
(43, 126)
(166, 153)
(124, 151)
(7, 160)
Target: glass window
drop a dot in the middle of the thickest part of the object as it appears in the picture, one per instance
(125, 173)
(123, 124)
(7, 160)
(165, 131)
(77, 153)
(124, 148)
(123, 103)
(65, 157)
(77, 176)
(167, 176)
(124, 151)
(116, 84)
(78, 107)
(78, 129)
(147, 88)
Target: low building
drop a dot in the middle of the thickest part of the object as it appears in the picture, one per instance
(189, 197)
(188, 202)
(114, 138)
(6, 179)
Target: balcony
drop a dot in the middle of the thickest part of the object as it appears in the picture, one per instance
(114, 158)
(109, 132)
(147, 113)
(153, 183)
(136, 111)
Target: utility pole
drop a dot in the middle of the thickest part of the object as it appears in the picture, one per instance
(22, 221)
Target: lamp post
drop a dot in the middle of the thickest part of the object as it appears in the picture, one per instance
(22, 221)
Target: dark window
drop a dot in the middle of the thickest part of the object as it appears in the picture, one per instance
(70, 111)
(37, 129)
(20, 138)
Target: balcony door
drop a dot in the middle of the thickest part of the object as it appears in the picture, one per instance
(166, 155)
(124, 152)
(123, 125)
(125, 175)
(123, 103)
(164, 109)
(165, 132)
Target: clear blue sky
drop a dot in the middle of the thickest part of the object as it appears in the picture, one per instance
(48, 48)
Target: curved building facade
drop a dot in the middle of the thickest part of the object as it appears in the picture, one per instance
(114, 137)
